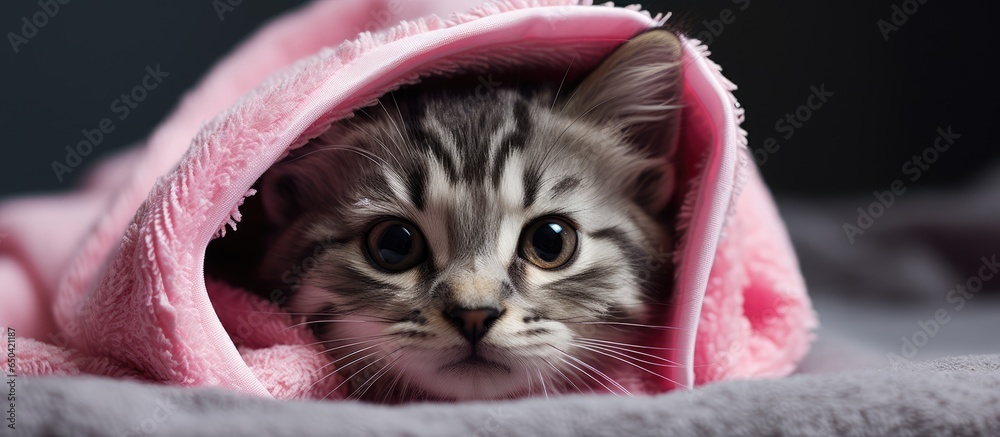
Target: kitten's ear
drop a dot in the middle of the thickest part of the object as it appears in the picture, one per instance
(637, 89)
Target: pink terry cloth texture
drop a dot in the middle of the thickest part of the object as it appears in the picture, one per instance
(108, 279)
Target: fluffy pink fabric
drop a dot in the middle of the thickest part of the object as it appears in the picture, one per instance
(109, 279)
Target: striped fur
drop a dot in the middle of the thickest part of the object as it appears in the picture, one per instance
(471, 171)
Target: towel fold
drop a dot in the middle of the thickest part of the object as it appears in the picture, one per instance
(109, 279)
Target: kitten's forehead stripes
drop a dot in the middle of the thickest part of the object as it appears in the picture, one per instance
(532, 179)
(416, 184)
(476, 148)
(465, 150)
(473, 227)
(426, 141)
(565, 185)
(515, 140)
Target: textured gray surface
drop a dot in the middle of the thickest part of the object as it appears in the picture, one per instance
(866, 296)
(953, 396)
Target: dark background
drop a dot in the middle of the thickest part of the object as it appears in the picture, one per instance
(889, 96)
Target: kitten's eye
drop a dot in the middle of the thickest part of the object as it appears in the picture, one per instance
(395, 245)
(548, 242)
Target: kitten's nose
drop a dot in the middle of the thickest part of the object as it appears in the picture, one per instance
(473, 323)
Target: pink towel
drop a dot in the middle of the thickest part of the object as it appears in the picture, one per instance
(108, 279)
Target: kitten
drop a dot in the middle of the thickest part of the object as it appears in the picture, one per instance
(451, 245)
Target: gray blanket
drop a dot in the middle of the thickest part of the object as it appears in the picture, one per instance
(954, 396)
(869, 295)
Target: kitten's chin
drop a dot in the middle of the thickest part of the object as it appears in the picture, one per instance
(474, 366)
(470, 379)
(474, 384)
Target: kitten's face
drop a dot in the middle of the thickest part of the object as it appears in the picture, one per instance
(470, 248)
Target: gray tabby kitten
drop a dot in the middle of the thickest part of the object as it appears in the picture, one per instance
(446, 246)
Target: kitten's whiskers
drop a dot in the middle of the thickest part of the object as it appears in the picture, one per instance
(563, 374)
(630, 363)
(348, 345)
(370, 382)
(634, 325)
(359, 370)
(625, 344)
(593, 369)
(620, 348)
(542, 380)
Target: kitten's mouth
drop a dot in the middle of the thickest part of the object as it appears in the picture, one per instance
(474, 363)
